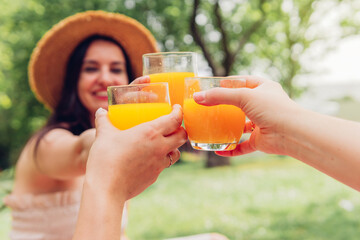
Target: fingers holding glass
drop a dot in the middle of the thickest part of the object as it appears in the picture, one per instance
(212, 128)
(249, 127)
(173, 68)
(141, 80)
(134, 104)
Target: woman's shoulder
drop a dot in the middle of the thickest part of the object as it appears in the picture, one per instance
(44, 143)
(55, 133)
(54, 143)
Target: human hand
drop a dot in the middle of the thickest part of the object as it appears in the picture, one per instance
(265, 104)
(125, 163)
(142, 92)
(141, 80)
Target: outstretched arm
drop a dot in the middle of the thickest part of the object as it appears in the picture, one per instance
(61, 154)
(329, 144)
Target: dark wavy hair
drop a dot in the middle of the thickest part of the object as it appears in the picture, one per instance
(70, 113)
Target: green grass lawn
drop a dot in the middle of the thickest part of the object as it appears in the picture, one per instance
(257, 197)
(5, 188)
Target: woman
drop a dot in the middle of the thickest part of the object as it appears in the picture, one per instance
(69, 71)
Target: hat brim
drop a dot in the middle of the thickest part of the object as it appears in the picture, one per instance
(49, 59)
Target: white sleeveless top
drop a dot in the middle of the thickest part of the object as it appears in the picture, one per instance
(50, 216)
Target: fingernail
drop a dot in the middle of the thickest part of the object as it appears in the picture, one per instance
(100, 111)
(199, 97)
(177, 106)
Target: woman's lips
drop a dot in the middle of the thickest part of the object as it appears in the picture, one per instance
(101, 94)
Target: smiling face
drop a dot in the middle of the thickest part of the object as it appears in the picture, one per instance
(104, 65)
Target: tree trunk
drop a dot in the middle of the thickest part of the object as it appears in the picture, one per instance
(214, 160)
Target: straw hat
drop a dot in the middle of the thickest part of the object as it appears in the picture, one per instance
(49, 59)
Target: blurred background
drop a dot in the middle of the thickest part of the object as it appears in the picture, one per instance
(312, 47)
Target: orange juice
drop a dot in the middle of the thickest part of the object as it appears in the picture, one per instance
(176, 84)
(125, 116)
(214, 124)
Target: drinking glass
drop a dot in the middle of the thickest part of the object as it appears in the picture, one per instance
(212, 128)
(173, 68)
(130, 105)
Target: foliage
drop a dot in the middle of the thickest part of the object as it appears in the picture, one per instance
(232, 37)
(269, 37)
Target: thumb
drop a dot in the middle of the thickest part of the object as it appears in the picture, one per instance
(231, 96)
(101, 119)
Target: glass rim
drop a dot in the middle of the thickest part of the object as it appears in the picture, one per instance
(158, 54)
(138, 85)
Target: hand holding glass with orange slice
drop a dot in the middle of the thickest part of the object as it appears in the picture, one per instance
(130, 105)
(212, 128)
(173, 68)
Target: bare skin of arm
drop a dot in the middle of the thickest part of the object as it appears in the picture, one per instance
(121, 165)
(62, 155)
(59, 164)
(324, 142)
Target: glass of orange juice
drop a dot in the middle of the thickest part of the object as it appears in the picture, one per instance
(130, 105)
(173, 68)
(212, 128)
